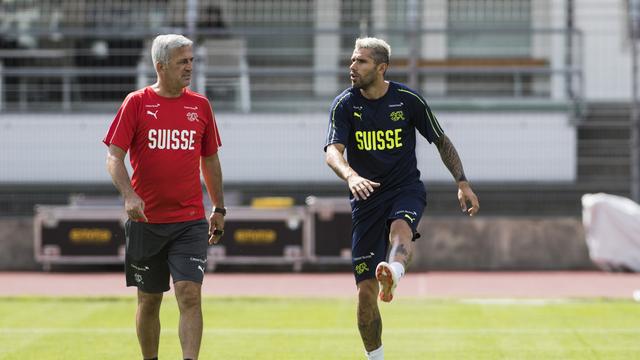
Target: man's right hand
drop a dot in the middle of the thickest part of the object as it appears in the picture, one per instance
(134, 206)
(360, 187)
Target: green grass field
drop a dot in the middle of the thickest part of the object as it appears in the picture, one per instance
(268, 328)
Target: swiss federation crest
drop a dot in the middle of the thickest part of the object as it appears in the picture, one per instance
(396, 115)
(192, 116)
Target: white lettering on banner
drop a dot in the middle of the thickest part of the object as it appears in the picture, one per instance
(167, 139)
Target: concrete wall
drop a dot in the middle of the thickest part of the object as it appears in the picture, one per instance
(499, 243)
(446, 244)
(287, 148)
(16, 244)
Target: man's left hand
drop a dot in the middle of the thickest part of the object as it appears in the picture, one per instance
(467, 196)
(216, 227)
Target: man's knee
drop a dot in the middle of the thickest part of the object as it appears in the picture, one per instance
(400, 231)
(368, 292)
(188, 294)
(149, 302)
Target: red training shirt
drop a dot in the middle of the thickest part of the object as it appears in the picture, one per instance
(165, 138)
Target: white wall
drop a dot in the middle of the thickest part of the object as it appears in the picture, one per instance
(288, 147)
(607, 59)
(506, 147)
(326, 46)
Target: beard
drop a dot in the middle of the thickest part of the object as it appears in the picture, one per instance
(363, 81)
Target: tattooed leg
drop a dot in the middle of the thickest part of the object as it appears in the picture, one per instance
(401, 245)
(369, 320)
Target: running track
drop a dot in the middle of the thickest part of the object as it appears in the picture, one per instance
(535, 285)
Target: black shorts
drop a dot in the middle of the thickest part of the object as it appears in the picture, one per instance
(372, 222)
(155, 251)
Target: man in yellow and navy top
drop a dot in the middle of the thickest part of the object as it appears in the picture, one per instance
(375, 121)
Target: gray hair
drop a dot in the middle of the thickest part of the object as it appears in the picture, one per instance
(163, 44)
(380, 50)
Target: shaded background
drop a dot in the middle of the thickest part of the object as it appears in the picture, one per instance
(538, 97)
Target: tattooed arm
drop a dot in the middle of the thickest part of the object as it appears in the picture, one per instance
(451, 160)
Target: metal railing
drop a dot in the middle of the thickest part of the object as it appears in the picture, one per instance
(270, 76)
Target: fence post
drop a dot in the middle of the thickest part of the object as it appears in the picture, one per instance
(414, 43)
(1, 86)
(66, 92)
(633, 7)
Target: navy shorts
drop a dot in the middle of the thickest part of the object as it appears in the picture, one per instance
(155, 251)
(372, 222)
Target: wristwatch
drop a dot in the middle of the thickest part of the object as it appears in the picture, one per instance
(222, 210)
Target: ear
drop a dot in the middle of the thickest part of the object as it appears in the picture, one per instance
(158, 66)
(382, 68)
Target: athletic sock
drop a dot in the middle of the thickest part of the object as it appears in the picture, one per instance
(377, 354)
(153, 358)
(398, 268)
